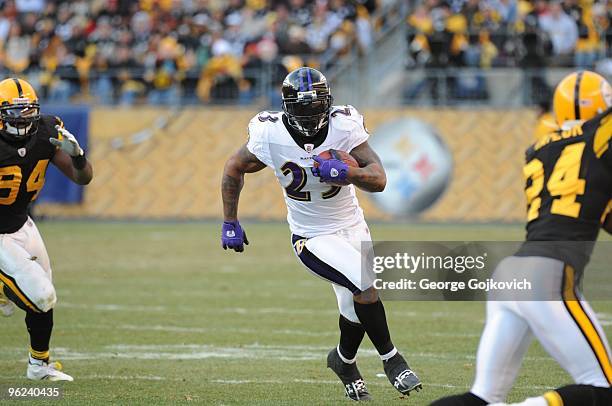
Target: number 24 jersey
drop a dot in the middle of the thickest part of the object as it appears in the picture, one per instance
(569, 182)
(313, 208)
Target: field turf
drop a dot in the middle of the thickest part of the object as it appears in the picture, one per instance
(158, 313)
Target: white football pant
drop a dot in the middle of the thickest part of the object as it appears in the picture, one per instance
(337, 258)
(25, 268)
(567, 329)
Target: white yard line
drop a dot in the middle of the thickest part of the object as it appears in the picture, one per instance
(114, 307)
(605, 319)
(179, 329)
(256, 351)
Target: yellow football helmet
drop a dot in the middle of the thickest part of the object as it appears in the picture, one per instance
(580, 96)
(19, 109)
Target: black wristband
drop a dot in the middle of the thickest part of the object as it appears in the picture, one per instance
(79, 162)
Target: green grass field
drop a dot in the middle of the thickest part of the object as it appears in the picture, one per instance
(160, 314)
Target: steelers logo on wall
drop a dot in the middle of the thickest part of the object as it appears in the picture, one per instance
(418, 165)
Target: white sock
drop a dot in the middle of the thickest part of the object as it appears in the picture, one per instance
(35, 361)
(389, 355)
(343, 358)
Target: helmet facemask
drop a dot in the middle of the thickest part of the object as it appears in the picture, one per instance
(19, 121)
(307, 112)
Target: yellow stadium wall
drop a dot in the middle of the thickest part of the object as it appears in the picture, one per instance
(176, 173)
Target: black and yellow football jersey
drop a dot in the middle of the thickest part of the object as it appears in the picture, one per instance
(568, 188)
(22, 173)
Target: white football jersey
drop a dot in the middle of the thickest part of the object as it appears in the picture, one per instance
(313, 208)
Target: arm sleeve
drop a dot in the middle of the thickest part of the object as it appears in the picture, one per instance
(257, 144)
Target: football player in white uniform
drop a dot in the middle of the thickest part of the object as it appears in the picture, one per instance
(326, 222)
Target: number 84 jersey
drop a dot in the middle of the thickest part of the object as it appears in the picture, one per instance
(313, 208)
(22, 173)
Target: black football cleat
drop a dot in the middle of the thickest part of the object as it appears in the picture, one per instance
(401, 376)
(354, 386)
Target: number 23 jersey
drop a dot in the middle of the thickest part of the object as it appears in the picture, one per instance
(313, 208)
(22, 173)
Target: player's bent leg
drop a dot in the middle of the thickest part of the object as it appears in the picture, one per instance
(336, 259)
(570, 332)
(343, 359)
(503, 344)
(333, 259)
(320, 261)
(371, 313)
(29, 286)
(40, 326)
(603, 347)
(345, 303)
(24, 277)
(348, 373)
(351, 330)
(504, 341)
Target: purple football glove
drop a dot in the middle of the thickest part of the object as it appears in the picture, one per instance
(233, 236)
(330, 170)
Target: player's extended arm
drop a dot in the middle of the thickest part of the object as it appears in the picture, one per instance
(243, 161)
(370, 176)
(70, 158)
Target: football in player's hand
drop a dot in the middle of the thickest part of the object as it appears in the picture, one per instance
(341, 155)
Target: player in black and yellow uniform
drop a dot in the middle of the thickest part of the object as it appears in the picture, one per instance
(568, 189)
(30, 141)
